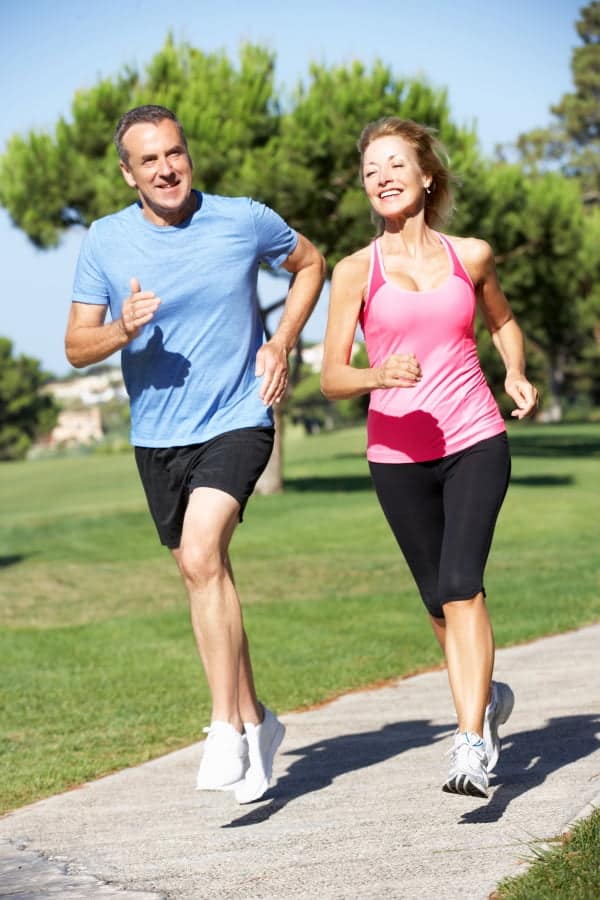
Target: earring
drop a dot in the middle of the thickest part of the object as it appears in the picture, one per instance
(428, 189)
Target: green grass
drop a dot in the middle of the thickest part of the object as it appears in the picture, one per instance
(568, 871)
(98, 668)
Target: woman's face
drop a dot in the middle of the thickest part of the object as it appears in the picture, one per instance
(393, 180)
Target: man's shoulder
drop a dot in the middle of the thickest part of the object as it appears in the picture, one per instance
(114, 220)
(226, 203)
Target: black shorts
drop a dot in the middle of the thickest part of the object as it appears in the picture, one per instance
(231, 462)
(443, 513)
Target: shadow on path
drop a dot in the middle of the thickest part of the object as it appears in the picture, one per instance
(528, 757)
(320, 763)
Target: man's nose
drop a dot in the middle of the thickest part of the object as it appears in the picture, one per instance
(165, 168)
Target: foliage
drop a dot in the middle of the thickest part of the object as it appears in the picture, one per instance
(573, 140)
(50, 182)
(309, 169)
(546, 257)
(25, 413)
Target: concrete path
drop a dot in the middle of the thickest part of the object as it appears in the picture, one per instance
(357, 810)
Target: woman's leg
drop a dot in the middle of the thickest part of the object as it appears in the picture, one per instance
(474, 488)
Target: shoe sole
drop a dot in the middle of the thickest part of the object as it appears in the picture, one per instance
(219, 787)
(491, 736)
(462, 784)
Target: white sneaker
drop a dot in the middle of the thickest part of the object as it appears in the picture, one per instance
(224, 759)
(468, 771)
(263, 743)
(496, 713)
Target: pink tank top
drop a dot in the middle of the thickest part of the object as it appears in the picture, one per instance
(452, 407)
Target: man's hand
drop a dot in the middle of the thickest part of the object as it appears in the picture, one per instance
(138, 309)
(272, 365)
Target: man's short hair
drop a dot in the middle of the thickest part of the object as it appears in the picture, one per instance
(150, 113)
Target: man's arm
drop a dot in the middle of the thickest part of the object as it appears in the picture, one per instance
(308, 267)
(89, 339)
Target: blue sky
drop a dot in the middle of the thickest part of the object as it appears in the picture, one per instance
(503, 64)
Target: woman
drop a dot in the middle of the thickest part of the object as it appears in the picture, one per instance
(437, 446)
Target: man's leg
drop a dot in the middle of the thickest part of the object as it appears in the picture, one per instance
(216, 615)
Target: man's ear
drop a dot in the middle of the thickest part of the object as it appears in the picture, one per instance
(127, 174)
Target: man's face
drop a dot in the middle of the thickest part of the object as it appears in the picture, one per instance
(160, 169)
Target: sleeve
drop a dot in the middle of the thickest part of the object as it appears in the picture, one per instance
(275, 239)
(89, 283)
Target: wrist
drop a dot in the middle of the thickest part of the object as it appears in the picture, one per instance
(281, 343)
(122, 332)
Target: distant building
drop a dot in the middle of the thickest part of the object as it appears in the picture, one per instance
(80, 420)
(88, 390)
(75, 427)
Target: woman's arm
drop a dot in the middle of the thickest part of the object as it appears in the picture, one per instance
(502, 325)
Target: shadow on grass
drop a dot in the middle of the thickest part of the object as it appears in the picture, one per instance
(528, 757)
(11, 560)
(330, 484)
(542, 480)
(324, 761)
(536, 443)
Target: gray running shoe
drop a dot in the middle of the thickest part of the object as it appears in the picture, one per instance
(468, 770)
(496, 713)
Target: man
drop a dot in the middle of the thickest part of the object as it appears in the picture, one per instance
(178, 270)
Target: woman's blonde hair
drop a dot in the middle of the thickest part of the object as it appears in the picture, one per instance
(432, 158)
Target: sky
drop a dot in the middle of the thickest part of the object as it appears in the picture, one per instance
(503, 64)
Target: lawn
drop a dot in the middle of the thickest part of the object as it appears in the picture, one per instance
(98, 668)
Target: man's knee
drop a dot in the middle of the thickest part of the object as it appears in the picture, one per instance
(200, 566)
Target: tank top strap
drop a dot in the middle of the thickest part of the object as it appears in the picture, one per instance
(376, 275)
(458, 268)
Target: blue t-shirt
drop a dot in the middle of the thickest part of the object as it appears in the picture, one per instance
(190, 372)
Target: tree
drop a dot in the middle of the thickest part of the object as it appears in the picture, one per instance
(308, 170)
(571, 146)
(538, 231)
(49, 182)
(572, 141)
(25, 413)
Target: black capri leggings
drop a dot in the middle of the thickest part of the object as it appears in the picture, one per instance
(443, 513)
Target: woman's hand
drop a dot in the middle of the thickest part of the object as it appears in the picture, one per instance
(399, 370)
(523, 393)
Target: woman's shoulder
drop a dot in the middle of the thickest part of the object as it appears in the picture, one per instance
(355, 263)
(471, 249)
